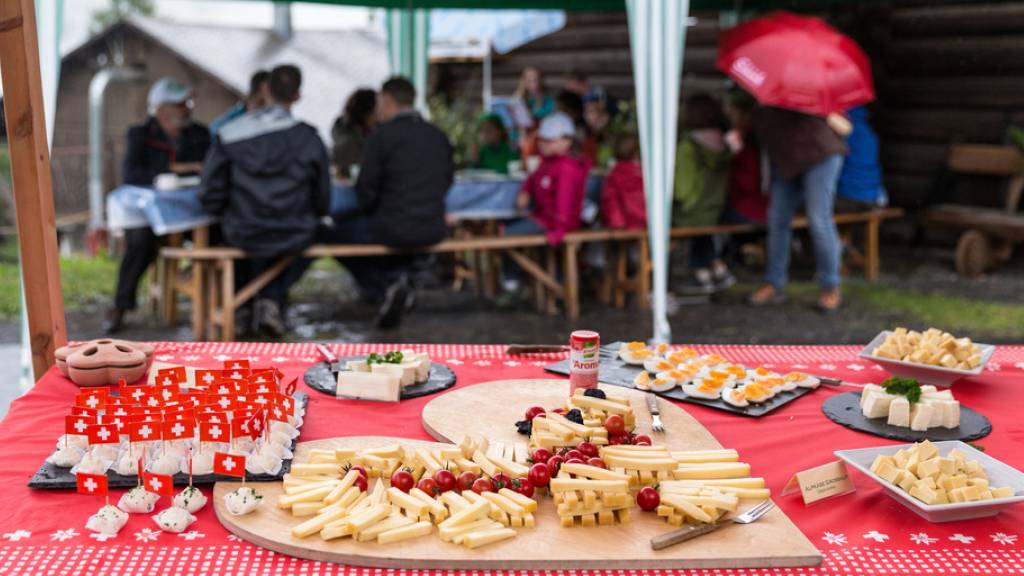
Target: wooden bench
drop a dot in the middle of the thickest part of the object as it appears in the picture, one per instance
(866, 259)
(990, 232)
(215, 299)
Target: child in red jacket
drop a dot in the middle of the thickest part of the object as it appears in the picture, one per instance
(622, 197)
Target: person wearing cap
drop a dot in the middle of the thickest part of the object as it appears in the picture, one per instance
(268, 179)
(553, 193)
(167, 141)
(404, 176)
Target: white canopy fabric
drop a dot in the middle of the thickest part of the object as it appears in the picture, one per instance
(408, 33)
(472, 33)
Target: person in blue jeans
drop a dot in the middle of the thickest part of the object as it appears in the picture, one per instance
(806, 157)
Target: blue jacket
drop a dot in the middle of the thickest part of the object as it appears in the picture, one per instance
(861, 178)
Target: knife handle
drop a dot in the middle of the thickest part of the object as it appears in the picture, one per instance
(326, 353)
(652, 404)
(683, 534)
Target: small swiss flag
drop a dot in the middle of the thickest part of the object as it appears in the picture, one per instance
(168, 394)
(239, 426)
(229, 464)
(152, 400)
(144, 431)
(214, 431)
(290, 388)
(213, 416)
(277, 412)
(206, 378)
(237, 365)
(256, 424)
(83, 411)
(178, 429)
(136, 393)
(94, 484)
(102, 434)
(168, 376)
(78, 424)
(162, 484)
(92, 399)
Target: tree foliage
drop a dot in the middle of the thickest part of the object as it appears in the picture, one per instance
(118, 9)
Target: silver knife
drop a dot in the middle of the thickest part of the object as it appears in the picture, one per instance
(332, 361)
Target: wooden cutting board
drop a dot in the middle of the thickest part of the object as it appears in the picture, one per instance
(771, 542)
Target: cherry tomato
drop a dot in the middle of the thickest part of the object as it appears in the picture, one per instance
(575, 461)
(597, 462)
(361, 470)
(640, 443)
(361, 484)
(614, 424)
(465, 481)
(429, 486)
(403, 480)
(614, 440)
(445, 480)
(534, 411)
(482, 485)
(574, 454)
(541, 455)
(648, 499)
(501, 480)
(539, 474)
(554, 463)
(587, 449)
(559, 411)
(642, 438)
(523, 486)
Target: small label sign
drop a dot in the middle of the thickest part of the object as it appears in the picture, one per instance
(821, 482)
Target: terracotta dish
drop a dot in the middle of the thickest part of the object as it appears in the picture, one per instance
(103, 362)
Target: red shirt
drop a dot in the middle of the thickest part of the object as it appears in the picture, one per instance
(622, 198)
(745, 194)
(556, 190)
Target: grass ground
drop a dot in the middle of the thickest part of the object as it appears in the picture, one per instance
(86, 282)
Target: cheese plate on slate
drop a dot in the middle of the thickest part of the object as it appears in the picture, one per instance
(845, 410)
(52, 477)
(320, 378)
(613, 370)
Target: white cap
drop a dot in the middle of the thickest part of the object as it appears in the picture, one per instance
(167, 91)
(555, 126)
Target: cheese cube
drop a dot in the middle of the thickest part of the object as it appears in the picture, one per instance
(886, 471)
(899, 412)
(926, 450)
(369, 386)
(924, 494)
(870, 390)
(1002, 492)
(947, 466)
(951, 414)
(920, 416)
(928, 469)
(954, 482)
(404, 378)
(877, 405)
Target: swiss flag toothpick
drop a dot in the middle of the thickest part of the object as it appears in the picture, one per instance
(256, 425)
(237, 365)
(214, 431)
(178, 429)
(174, 375)
(92, 399)
(229, 464)
(136, 393)
(290, 388)
(102, 434)
(162, 484)
(92, 484)
(78, 424)
(144, 431)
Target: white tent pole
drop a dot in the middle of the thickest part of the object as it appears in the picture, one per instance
(657, 31)
(488, 92)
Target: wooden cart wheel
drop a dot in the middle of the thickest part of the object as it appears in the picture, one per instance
(973, 254)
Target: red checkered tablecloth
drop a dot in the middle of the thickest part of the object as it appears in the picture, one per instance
(43, 532)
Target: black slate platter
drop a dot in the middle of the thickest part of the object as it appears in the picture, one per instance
(844, 409)
(441, 377)
(50, 477)
(612, 370)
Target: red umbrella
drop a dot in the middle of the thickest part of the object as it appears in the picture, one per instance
(797, 62)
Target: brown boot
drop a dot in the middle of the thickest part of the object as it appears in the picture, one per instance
(766, 295)
(829, 300)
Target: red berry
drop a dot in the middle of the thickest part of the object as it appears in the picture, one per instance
(501, 480)
(523, 486)
(539, 474)
(587, 449)
(446, 481)
(597, 462)
(534, 411)
(648, 499)
(429, 486)
(554, 463)
(614, 424)
(574, 461)
(574, 454)
(403, 480)
(465, 481)
(541, 455)
(642, 438)
(482, 485)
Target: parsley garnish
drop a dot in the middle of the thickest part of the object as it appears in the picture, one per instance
(903, 387)
(393, 357)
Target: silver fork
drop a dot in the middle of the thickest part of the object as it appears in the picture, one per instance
(690, 532)
(652, 407)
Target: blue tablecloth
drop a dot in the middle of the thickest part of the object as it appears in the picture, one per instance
(170, 211)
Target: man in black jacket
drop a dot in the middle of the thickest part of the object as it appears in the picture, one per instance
(268, 178)
(404, 176)
(168, 141)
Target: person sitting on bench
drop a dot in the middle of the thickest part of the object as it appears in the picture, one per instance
(168, 141)
(268, 178)
(404, 176)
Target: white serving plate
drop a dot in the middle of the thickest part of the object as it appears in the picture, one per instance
(999, 474)
(924, 373)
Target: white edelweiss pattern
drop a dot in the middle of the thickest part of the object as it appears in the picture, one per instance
(855, 367)
(164, 357)
(827, 366)
(147, 535)
(1019, 365)
(877, 367)
(253, 358)
(101, 536)
(191, 535)
(17, 535)
(221, 357)
(876, 536)
(308, 359)
(539, 363)
(1003, 538)
(190, 358)
(837, 539)
(279, 359)
(455, 361)
(63, 535)
(799, 366)
(233, 538)
(512, 363)
(962, 538)
(923, 538)
(482, 362)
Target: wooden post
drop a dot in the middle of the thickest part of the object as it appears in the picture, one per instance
(30, 175)
(871, 240)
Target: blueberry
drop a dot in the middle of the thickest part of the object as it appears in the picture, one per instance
(595, 393)
(574, 415)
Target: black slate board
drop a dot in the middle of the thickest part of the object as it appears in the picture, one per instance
(50, 477)
(441, 377)
(612, 370)
(844, 409)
